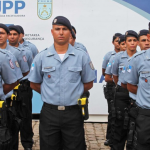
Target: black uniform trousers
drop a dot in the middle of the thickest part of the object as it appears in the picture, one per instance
(25, 127)
(122, 101)
(142, 136)
(61, 126)
(109, 95)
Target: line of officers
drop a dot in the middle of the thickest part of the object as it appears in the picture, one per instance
(127, 73)
(16, 61)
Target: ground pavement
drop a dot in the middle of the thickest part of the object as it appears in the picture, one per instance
(94, 133)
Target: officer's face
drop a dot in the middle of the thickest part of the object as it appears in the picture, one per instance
(71, 41)
(131, 43)
(21, 37)
(61, 34)
(3, 36)
(144, 42)
(116, 44)
(123, 46)
(13, 37)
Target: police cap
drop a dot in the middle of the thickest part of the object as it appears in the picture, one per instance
(143, 32)
(4, 27)
(21, 29)
(121, 38)
(116, 35)
(73, 35)
(13, 27)
(61, 20)
(74, 29)
(131, 33)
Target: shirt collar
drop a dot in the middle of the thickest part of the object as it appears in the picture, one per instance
(124, 55)
(52, 51)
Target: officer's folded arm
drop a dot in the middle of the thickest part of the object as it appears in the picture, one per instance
(108, 78)
(8, 87)
(25, 74)
(36, 87)
(132, 88)
(115, 79)
(88, 86)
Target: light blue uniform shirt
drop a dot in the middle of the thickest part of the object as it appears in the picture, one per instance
(125, 81)
(16, 68)
(139, 74)
(79, 45)
(118, 68)
(107, 58)
(29, 57)
(21, 58)
(62, 82)
(109, 65)
(32, 47)
(7, 71)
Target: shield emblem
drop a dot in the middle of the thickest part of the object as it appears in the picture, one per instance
(44, 10)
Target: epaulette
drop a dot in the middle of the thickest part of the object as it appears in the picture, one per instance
(80, 50)
(2, 51)
(138, 53)
(43, 50)
(17, 48)
(113, 53)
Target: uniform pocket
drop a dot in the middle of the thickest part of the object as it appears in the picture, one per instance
(144, 79)
(74, 74)
(49, 74)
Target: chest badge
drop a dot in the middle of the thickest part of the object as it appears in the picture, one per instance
(49, 76)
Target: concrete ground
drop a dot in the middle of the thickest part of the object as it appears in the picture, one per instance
(94, 133)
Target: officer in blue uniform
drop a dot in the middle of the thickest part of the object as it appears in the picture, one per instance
(108, 92)
(76, 44)
(122, 99)
(108, 71)
(134, 76)
(25, 43)
(24, 93)
(61, 74)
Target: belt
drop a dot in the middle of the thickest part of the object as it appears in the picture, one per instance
(61, 107)
(121, 89)
(145, 112)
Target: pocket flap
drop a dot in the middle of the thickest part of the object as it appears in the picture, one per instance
(74, 69)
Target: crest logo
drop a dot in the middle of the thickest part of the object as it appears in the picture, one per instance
(44, 10)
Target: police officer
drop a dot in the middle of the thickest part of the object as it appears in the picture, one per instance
(144, 45)
(9, 77)
(61, 74)
(122, 99)
(108, 89)
(25, 43)
(138, 74)
(28, 47)
(76, 44)
(108, 71)
(25, 93)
